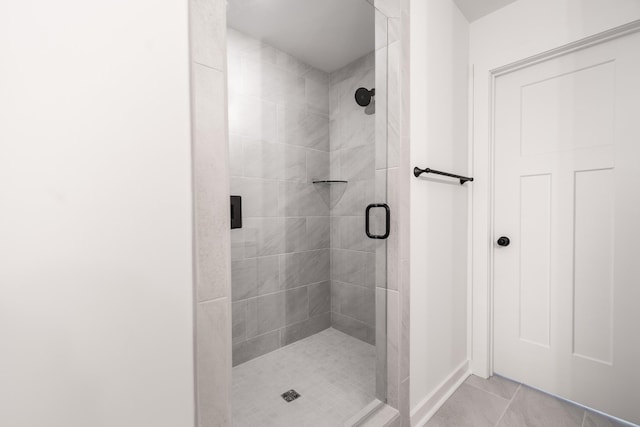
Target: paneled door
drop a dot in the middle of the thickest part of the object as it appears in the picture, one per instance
(567, 224)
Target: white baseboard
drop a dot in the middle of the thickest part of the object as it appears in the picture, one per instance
(430, 404)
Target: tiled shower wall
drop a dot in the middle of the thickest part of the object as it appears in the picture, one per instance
(279, 143)
(210, 151)
(301, 262)
(353, 158)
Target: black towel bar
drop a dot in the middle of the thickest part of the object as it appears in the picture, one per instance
(417, 172)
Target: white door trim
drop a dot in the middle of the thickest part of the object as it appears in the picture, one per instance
(481, 286)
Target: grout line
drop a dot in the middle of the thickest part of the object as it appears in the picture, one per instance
(304, 251)
(213, 299)
(281, 290)
(371, 288)
(210, 67)
(296, 343)
(584, 418)
(481, 389)
(508, 404)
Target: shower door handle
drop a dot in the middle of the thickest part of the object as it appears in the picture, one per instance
(387, 221)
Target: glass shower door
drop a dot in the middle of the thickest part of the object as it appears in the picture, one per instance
(308, 145)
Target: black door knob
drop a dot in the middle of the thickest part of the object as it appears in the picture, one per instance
(503, 241)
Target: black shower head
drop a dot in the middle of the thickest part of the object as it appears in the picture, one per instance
(363, 96)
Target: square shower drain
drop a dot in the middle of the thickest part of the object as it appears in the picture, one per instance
(290, 395)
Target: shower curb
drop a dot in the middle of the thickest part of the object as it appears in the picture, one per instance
(375, 414)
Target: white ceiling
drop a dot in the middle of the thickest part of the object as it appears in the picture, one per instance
(326, 34)
(475, 9)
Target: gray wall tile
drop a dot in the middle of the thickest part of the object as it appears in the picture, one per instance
(358, 163)
(335, 169)
(254, 347)
(274, 161)
(211, 212)
(393, 105)
(238, 42)
(236, 155)
(350, 233)
(259, 197)
(213, 365)
(391, 8)
(299, 125)
(354, 301)
(296, 305)
(318, 76)
(381, 130)
(263, 52)
(381, 35)
(263, 236)
(318, 233)
(318, 166)
(278, 119)
(303, 125)
(251, 328)
(271, 312)
(353, 327)
(357, 195)
(303, 268)
(301, 199)
(392, 341)
(212, 257)
(381, 350)
(239, 321)
(353, 267)
(244, 279)
(319, 298)
(306, 233)
(291, 63)
(317, 96)
(295, 234)
(272, 83)
(268, 274)
(355, 70)
(237, 244)
(208, 32)
(353, 158)
(252, 118)
(298, 331)
(405, 403)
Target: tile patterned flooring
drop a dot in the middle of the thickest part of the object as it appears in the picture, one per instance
(333, 372)
(498, 402)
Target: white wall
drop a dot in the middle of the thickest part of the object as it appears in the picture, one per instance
(439, 92)
(95, 214)
(520, 30)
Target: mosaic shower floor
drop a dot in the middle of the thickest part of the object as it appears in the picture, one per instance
(333, 373)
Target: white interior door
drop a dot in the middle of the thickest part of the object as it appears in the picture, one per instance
(567, 195)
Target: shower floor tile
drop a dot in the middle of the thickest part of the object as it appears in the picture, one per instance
(333, 373)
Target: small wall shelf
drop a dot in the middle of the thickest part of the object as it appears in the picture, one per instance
(330, 181)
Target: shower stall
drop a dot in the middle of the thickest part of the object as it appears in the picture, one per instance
(308, 159)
